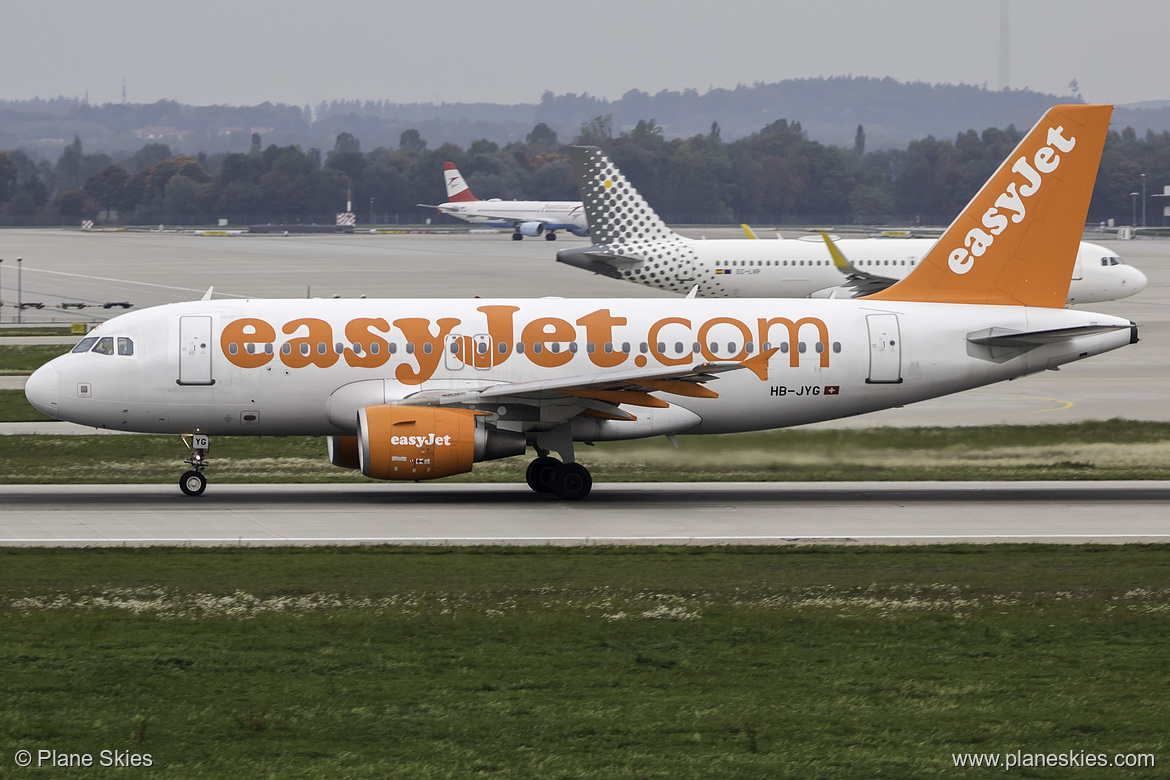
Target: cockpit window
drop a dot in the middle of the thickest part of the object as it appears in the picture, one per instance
(105, 346)
(125, 346)
(85, 345)
(1108, 261)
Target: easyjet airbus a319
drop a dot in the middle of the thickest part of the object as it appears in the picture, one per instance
(419, 389)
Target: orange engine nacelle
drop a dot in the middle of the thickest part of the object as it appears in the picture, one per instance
(422, 442)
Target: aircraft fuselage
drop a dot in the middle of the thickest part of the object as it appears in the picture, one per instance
(305, 367)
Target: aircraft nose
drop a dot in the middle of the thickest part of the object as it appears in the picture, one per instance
(1135, 280)
(41, 389)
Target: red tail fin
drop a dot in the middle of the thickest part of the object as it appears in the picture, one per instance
(457, 189)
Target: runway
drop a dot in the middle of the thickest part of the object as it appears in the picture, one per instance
(673, 514)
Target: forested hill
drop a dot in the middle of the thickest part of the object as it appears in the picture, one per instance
(829, 109)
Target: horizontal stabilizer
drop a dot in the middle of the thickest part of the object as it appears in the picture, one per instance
(620, 261)
(599, 260)
(1005, 337)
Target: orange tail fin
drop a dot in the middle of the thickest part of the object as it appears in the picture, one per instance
(1016, 241)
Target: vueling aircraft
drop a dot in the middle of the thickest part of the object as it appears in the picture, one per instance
(419, 389)
(525, 217)
(633, 244)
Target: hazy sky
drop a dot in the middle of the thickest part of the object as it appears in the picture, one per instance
(242, 52)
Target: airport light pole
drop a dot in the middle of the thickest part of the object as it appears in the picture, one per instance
(1133, 200)
(19, 291)
(1143, 200)
(371, 212)
(1, 292)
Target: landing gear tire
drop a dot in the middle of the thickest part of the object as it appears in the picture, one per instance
(571, 482)
(193, 483)
(540, 474)
(517, 237)
(550, 236)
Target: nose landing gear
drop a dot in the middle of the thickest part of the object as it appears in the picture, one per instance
(193, 483)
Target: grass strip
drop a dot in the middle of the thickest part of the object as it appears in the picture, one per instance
(14, 407)
(46, 330)
(585, 663)
(1114, 449)
(18, 359)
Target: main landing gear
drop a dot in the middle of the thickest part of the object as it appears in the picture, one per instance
(568, 481)
(193, 483)
(548, 236)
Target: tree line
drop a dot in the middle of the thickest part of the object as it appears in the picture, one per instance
(775, 176)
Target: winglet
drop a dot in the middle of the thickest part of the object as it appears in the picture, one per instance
(207, 295)
(748, 231)
(838, 256)
(457, 189)
(1016, 241)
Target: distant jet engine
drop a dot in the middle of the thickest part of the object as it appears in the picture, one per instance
(530, 229)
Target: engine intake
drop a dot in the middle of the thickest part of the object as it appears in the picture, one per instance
(343, 452)
(531, 229)
(422, 442)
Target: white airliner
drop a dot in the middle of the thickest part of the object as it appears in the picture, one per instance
(632, 243)
(525, 217)
(419, 389)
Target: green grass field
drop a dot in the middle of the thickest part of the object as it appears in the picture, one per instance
(14, 407)
(585, 663)
(1114, 449)
(16, 359)
(65, 331)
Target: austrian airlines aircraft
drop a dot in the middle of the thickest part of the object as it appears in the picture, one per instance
(632, 243)
(419, 389)
(525, 217)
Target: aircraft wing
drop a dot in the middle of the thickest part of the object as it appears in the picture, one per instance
(566, 397)
(861, 282)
